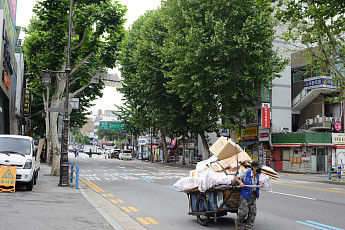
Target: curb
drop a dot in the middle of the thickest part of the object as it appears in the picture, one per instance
(111, 213)
(110, 220)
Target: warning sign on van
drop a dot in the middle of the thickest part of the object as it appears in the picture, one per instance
(8, 178)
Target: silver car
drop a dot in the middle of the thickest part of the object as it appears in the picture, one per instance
(125, 155)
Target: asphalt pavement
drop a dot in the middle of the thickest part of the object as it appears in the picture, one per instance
(49, 206)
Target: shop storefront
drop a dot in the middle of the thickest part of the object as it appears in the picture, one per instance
(338, 153)
(306, 152)
(250, 142)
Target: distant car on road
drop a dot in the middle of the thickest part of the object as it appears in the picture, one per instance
(125, 155)
(115, 153)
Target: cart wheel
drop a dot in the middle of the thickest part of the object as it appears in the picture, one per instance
(201, 204)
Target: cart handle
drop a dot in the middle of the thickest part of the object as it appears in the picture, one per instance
(236, 186)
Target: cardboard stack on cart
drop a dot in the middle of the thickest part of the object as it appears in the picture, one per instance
(231, 157)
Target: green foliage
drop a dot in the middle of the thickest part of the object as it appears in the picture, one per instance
(80, 138)
(148, 103)
(97, 32)
(319, 26)
(110, 135)
(190, 63)
(218, 54)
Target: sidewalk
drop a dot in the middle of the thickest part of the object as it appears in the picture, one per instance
(51, 207)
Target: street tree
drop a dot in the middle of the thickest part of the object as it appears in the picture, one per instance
(97, 30)
(318, 27)
(110, 135)
(217, 55)
(148, 104)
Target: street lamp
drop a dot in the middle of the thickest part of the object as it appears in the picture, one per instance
(46, 80)
(64, 154)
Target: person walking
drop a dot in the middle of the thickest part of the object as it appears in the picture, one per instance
(249, 195)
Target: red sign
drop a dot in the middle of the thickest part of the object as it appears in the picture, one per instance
(265, 115)
(337, 126)
(7, 81)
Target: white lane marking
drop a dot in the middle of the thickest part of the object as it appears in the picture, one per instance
(338, 189)
(286, 194)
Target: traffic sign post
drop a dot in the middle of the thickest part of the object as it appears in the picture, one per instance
(8, 178)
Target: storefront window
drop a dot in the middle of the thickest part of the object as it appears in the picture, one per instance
(286, 154)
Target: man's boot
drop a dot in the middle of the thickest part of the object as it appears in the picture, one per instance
(237, 225)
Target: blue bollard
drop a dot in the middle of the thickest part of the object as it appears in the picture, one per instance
(329, 175)
(339, 172)
(72, 172)
(77, 177)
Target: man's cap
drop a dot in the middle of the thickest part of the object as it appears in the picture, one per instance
(256, 164)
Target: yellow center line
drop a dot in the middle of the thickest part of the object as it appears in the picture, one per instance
(120, 201)
(114, 201)
(110, 195)
(300, 186)
(143, 221)
(90, 185)
(133, 209)
(126, 209)
(96, 186)
(104, 195)
(151, 220)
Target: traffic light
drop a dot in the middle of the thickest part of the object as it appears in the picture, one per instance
(129, 139)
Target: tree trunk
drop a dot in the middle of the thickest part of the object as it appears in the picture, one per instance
(49, 139)
(165, 148)
(55, 102)
(55, 144)
(184, 151)
(205, 144)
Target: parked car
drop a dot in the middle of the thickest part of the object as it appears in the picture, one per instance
(125, 155)
(20, 151)
(115, 153)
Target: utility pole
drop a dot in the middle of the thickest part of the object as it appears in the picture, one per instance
(64, 155)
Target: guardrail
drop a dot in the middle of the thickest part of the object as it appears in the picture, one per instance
(74, 174)
(187, 160)
(337, 168)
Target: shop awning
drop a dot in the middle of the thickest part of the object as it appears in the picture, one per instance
(286, 145)
(321, 144)
(339, 146)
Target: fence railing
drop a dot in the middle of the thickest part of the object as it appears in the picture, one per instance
(337, 168)
(74, 174)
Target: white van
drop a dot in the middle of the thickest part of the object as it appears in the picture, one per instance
(16, 150)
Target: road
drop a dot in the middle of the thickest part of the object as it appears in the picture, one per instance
(145, 192)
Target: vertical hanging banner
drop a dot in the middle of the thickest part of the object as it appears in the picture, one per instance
(265, 115)
(27, 103)
(265, 93)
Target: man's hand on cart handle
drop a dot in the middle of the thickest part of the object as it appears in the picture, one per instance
(239, 182)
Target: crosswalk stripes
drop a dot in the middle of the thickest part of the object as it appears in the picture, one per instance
(170, 186)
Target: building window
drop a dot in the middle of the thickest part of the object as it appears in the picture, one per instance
(286, 155)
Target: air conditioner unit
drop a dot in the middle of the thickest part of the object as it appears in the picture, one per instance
(318, 119)
(328, 119)
(309, 121)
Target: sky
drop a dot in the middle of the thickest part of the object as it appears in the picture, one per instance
(135, 8)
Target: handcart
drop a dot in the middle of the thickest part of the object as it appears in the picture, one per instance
(215, 202)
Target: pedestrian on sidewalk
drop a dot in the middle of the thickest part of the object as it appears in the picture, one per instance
(249, 195)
